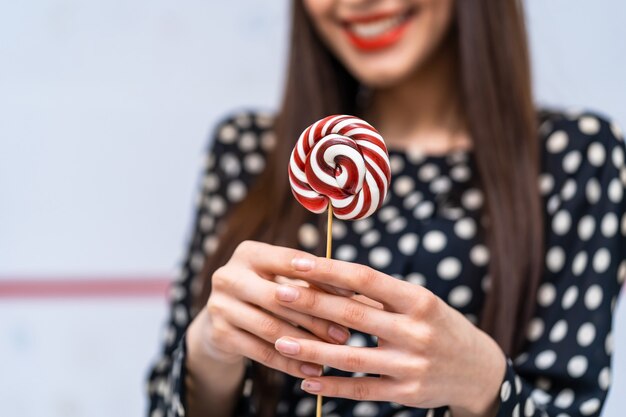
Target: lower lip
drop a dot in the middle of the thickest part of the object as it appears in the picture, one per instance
(384, 40)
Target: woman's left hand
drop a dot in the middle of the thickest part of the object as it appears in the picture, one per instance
(428, 355)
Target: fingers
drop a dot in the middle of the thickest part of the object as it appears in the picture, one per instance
(260, 351)
(345, 311)
(245, 285)
(346, 358)
(355, 388)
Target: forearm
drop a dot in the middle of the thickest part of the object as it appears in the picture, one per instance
(210, 386)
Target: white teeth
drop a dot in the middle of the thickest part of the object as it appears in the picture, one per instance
(373, 29)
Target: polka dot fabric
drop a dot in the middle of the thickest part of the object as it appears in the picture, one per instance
(430, 232)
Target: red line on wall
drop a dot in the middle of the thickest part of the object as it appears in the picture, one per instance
(87, 287)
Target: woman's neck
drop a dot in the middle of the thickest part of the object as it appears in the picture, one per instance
(422, 112)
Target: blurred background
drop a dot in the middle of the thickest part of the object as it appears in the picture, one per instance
(106, 108)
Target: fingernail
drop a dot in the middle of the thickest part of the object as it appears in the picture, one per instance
(302, 264)
(337, 333)
(311, 386)
(290, 347)
(311, 370)
(287, 293)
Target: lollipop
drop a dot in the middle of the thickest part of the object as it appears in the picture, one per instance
(340, 163)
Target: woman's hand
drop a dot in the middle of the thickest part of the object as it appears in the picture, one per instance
(242, 318)
(428, 354)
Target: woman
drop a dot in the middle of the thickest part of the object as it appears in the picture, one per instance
(487, 281)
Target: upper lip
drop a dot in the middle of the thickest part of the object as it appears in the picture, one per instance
(372, 17)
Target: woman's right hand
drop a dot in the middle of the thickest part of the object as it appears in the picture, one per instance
(242, 319)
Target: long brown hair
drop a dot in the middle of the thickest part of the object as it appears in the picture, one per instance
(494, 75)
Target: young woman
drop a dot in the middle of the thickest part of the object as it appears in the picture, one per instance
(485, 285)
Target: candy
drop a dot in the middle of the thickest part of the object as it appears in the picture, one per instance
(344, 160)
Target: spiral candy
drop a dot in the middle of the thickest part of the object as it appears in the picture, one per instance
(344, 160)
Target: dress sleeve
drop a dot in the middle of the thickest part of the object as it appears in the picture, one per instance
(234, 157)
(565, 367)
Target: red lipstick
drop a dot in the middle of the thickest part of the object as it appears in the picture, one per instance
(376, 31)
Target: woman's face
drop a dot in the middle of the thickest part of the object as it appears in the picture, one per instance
(382, 42)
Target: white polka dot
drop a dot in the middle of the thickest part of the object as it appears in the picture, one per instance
(577, 366)
(535, 329)
(586, 334)
(558, 332)
(555, 259)
(460, 173)
(388, 213)
(227, 134)
(604, 378)
(357, 340)
(396, 163)
(370, 238)
(591, 406)
(308, 236)
(396, 225)
(579, 263)
(589, 125)
(601, 260)
(440, 185)
(609, 225)
(243, 120)
(593, 297)
(449, 268)
(380, 257)
(460, 296)
(569, 190)
(540, 396)
(529, 407)
(434, 241)
(346, 253)
(361, 225)
(593, 191)
(571, 161)
(564, 399)
(423, 210)
(596, 154)
(428, 172)
(561, 222)
(479, 255)
(608, 343)
(339, 229)
(247, 141)
(616, 191)
(546, 294)
(485, 283)
(216, 205)
(557, 142)
(505, 391)
(412, 199)
(465, 228)
(569, 297)
(586, 227)
(305, 407)
(518, 383)
(618, 157)
(546, 183)
(407, 244)
(236, 191)
(621, 273)
(545, 359)
(617, 131)
(268, 140)
(472, 199)
(416, 278)
(403, 185)
(365, 409)
(253, 163)
(515, 411)
(210, 244)
(230, 164)
(553, 203)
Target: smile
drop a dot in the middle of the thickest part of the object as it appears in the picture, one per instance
(374, 32)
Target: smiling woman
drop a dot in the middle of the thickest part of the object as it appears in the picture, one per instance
(486, 283)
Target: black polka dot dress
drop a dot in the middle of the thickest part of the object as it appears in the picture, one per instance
(430, 232)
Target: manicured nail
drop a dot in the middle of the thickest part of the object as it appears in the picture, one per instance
(288, 346)
(337, 333)
(311, 370)
(302, 264)
(311, 386)
(287, 293)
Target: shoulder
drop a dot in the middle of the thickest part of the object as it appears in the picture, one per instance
(580, 145)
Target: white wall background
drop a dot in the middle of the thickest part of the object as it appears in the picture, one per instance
(105, 110)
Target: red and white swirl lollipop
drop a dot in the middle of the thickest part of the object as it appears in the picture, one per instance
(344, 160)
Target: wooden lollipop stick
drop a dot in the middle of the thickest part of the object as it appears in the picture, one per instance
(329, 249)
